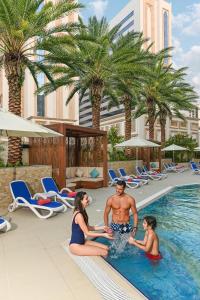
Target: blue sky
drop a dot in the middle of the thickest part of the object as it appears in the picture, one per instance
(185, 30)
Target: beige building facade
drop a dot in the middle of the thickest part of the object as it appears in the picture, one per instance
(48, 109)
(154, 19)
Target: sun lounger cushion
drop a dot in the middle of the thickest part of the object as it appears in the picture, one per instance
(42, 201)
(72, 194)
(94, 173)
(79, 172)
(2, 220)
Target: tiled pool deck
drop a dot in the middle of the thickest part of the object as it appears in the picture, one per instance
(34, 264)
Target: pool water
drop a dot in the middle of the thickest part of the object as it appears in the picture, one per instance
(177, 275)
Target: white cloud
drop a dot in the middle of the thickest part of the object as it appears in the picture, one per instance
(189, 59)
(99, 7)
(188, 23)
(178, 50)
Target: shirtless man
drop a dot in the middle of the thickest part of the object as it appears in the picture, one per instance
(120, 204)
(150, 244)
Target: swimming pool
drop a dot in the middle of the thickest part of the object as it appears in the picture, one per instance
(177, 275)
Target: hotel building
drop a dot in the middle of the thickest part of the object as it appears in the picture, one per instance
(154, 19)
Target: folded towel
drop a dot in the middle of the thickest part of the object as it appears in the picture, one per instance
(42, 201)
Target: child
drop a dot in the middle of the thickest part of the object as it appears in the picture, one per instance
(150, 244)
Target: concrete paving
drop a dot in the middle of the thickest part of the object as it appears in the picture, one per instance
(33, 262)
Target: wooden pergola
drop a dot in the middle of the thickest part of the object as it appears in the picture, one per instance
(79, 147)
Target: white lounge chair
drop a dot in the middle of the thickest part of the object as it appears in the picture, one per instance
(141, 173)
(4, 224)
(114, 179)
(195, 169)
(123, 174)
(23, 198)
(65, 195)
(162, 175)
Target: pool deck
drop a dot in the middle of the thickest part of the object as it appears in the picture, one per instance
(34, 263)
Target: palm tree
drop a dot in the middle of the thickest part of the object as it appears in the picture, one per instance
(153, 88)
(129, 83)
(24, 27)
(91, 66)
(166, 95)
(182, 98)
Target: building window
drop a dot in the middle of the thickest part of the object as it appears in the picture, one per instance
(166, 31)
(174, 123)
(183, 124)
(194, 113)
(41, 97)
(194, 126)
(40, 106)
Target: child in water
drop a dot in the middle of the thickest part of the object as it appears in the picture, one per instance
(150, 244)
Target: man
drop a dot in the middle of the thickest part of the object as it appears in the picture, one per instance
(120, 204)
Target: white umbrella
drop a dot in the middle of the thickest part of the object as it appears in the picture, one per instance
(197, 149)
(137, 142)
(173, 148)
(12, 125)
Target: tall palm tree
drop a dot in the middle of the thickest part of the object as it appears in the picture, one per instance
(153, 88)
(128, 84)
(91, 66)
(24, 27)
(170, 95)
(182, 98)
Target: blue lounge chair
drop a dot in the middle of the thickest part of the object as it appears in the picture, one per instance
(195, 169)
(4, 224)
(123, 174)
(22, 198)
(113, 180)
(141, 173)
(162, 175)
(49, 186)
(171, 168)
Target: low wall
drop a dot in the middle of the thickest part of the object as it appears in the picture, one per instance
(30, 174)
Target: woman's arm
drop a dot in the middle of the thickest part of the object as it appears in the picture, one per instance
(93, 228)
(80, 220)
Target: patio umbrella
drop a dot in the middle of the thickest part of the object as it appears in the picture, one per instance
(197, 149)
(13, 125)
(173, 148)
(137, 142)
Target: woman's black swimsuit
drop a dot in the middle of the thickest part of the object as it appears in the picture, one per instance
(77, 236)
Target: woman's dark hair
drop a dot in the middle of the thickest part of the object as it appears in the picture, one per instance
(151, 221)
(79, 207)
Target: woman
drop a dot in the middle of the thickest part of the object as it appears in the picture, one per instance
(80, 227)
(150, 244)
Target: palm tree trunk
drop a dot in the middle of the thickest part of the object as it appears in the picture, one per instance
(151, 117)
(162, 128)
(14, 83)
(126, 100)
(96, 93)
(127, 109)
